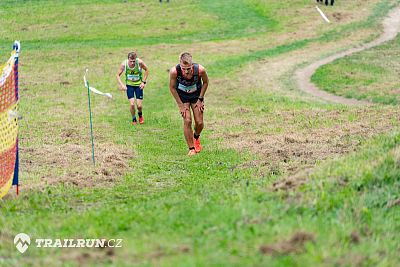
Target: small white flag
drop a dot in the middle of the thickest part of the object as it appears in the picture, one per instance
(94, 90)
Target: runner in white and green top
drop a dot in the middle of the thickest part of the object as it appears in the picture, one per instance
(135, 81)
(133, 76)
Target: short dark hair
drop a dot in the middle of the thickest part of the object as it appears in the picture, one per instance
(132, 55)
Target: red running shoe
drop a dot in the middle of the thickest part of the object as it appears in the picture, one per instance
(141, 120)
(197, 145)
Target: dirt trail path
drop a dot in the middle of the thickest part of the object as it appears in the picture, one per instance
(391, 26)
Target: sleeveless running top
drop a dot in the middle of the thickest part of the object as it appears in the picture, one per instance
(191, 85)
(133, 76)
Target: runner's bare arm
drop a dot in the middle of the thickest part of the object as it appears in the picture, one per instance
(204, 78)
(121, 69)
(172, 89)
(146, 69)
(172, 86)
(146, 74)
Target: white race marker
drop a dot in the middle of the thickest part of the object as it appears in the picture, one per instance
(322, 14)
(94, 90)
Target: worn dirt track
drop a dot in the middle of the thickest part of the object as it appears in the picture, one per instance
(391, 27)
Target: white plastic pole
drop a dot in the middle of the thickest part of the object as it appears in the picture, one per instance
(322, 14)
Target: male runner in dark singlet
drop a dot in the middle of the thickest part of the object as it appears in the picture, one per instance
(188, 83)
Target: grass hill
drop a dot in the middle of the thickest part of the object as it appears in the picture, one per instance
(285, 179)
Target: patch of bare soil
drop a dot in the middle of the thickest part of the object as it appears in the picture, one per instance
(352, 259)
(341, 16)
(355, 237)
(71, 164)
(90, 256)
(157, 254)
(294, 245)
(294, 152)
(394, 203)
(293, 181)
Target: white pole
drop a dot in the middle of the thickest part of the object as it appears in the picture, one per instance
(322, 14)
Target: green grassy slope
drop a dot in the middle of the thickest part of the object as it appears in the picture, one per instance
(171, 210)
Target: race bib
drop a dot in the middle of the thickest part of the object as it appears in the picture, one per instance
(187, 89)
(133, 77)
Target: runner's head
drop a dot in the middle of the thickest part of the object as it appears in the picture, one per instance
(131, 58)
(186, 63)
